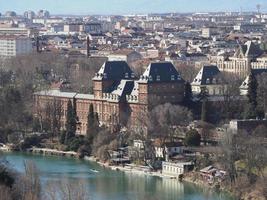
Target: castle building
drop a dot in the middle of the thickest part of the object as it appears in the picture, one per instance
(119, 97)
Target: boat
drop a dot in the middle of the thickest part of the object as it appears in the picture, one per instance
(94, 170)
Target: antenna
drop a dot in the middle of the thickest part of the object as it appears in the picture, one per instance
(258, 6)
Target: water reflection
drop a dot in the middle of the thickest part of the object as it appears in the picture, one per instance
(112, 185)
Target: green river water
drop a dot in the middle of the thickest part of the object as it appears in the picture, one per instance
(111, 185)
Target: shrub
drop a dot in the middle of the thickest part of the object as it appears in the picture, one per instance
(62, 137)
(75, 143)
(30, 141)
(192, 138)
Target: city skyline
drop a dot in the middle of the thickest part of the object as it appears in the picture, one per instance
(83, 7)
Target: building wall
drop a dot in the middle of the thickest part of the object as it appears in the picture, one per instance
(212, 90)
(111, 110)
(10, 47)
(172, 169)
(238, 66)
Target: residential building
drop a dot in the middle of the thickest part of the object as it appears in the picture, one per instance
(126, 55)
(29, 14)
(246, 125)
(139, 144)
(43, 14)
(15, 45)
(92, 28)
(18, 31)
(169, 149)
(72, 28)
(176, 169)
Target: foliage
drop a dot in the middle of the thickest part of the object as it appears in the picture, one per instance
(192, 138)
(76, 142)
(30, 141)
(92, 124)
(251, 110)
(164, 118)
(101, 143)
(6, 177)
(188, 95)
(62, 137)
(204, 111)
(70, 122)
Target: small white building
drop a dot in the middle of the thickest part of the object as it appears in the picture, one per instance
(139, 144)
(176, 168)
(169, 149)
(128, 56)
(15, 45)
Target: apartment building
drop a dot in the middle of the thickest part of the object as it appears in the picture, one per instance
(15, 45)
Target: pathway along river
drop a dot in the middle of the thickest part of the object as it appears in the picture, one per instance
(105, 184)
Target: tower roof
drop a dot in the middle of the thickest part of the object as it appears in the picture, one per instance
(207, 75)
(161, 72)
(249, 49)
(115, 70)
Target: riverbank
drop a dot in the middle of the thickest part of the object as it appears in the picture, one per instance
(104, 184)
(130, 168)
(46, 151)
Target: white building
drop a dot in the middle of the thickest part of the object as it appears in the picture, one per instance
(125, 55)
(176, 169)
(18, 31)
(169, 149)
(139, 144)
(15, 45)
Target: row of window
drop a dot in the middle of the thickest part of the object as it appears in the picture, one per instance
(173, 169)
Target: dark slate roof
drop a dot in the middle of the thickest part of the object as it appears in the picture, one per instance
(207, 76)
(115, 70)
(124, 87)
(119, 90)
(161, 72)
(249, 49)
(255, 72)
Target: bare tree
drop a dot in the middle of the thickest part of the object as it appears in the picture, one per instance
(164, 118)
(28, 186)
(66, 190)
(5, 193)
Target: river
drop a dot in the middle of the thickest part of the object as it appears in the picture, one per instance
(105, 184)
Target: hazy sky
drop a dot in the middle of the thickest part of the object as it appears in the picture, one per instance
(129, 6)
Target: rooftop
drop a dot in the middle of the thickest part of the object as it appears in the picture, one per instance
(115, 70)
(207, 76)
(161, 72)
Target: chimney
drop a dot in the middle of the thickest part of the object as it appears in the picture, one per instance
(37, 45)
(88, 47)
